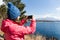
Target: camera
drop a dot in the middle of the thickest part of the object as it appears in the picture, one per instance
(30, 17)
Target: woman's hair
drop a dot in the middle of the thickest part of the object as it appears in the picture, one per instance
(10, 18)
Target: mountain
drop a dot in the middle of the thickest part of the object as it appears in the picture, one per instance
(47, 19)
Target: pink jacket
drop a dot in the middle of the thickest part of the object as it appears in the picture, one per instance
(15, 31)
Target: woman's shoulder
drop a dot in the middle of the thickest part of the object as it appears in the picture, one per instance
(6, 21)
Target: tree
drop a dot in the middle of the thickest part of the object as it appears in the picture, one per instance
(3, 11)
(17, 3)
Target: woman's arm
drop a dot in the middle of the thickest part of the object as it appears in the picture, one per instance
(16, 29)
(23, 21)
(29, 29)
(4, 26)
(24, 30)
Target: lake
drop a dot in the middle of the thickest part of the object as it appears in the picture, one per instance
(48, 29)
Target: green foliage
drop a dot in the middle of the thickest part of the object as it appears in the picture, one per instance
(17, 3)
(3, 11)
(11, 1)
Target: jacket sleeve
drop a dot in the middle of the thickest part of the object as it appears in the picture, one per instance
(13, 29)
(20, 30)
(24, 30)
(22, 21)
(29, 29)
(4, 27)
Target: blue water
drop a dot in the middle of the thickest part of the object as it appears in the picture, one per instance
(48, 29)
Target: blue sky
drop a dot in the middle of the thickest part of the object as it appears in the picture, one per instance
(43, 8)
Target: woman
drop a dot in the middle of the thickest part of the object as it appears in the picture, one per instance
(14, 30)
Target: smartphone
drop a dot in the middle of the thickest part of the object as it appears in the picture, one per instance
(30, 17)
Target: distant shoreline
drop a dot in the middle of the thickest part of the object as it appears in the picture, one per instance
(48, 20)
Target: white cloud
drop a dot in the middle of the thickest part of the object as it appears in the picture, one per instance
(58, 8)
(55, 14)
(50, 15)
(1, 2)
(41, 16)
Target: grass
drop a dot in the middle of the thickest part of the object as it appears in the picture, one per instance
(30, 37)
(1, 33)
(34, 37)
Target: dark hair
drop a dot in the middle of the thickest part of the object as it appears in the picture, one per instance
(8, 17)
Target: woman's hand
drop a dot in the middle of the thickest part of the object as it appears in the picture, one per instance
(33, 18)
(25, 18)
